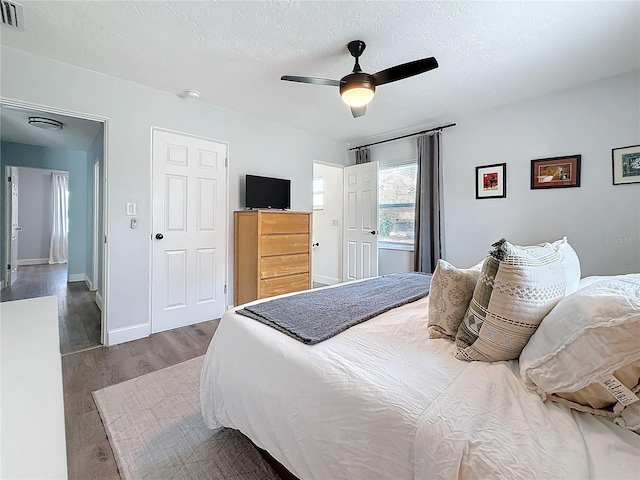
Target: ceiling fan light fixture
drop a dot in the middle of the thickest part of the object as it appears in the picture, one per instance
(46, 123)
(357, 96)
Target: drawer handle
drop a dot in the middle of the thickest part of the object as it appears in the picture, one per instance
(315, 244)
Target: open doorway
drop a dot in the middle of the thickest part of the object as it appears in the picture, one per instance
(327, 223)
(53, 209)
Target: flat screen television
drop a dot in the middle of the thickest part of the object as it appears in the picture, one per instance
(267, 192)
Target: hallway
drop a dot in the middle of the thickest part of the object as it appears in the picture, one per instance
(78, 314)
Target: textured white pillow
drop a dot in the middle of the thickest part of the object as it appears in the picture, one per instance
(570, 263)
(449, 296)
(517, 288)
(586, 281)
(592, 333)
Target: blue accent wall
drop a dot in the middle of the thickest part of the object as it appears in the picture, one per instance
(73, 161)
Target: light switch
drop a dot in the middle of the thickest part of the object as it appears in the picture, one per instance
(131, 208)
(334, 222)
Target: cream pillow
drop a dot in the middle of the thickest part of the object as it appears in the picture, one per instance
(570, 263)
(587, 337)
(517, 288)
(449, 296)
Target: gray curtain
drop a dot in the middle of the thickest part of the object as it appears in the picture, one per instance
(428, 240)
(362, 155)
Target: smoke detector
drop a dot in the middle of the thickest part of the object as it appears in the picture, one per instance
(192, 94)
(11, 14)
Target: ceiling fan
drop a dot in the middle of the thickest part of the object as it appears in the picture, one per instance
(357, 88)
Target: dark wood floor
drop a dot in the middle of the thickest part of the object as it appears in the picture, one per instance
(89, 455)
(78, 315)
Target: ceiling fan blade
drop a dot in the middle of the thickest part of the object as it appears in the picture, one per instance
(405, 70)
(312, 80)
(358, 111)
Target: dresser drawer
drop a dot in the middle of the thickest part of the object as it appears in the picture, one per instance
(281, 265)
(284, 223)
(284, 244)
(277, 286)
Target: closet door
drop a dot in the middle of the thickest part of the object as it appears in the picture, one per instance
(189, 230)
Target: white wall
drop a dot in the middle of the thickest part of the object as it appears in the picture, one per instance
(34, 214)
(601, 221)
(394, 261)
(255, 146)
(327, 258)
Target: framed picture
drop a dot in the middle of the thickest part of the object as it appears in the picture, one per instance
(491, 181)
(558, 172)
(626, 164)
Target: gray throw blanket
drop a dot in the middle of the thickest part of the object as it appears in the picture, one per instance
(314, 316)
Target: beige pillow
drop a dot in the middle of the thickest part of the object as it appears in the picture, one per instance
(517, 288)
(449, 296)
(589, 336)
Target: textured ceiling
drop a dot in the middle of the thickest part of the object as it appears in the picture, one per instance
(490, 53)
(77, 134)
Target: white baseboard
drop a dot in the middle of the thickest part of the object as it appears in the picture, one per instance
(76, 277)
(326, 280)
(99, 300)
(87, 281)
(127, 334)
(33, 261)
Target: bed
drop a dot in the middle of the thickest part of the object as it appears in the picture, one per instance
(383, 401)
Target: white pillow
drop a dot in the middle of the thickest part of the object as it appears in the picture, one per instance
(449, 296)
(588, 336)
(517, 288)
(586, 281)
(570, 264)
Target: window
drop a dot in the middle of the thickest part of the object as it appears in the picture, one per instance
(397, 204)
(318, 193)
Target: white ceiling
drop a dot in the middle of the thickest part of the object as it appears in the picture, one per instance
(490, 53)
(77, 134)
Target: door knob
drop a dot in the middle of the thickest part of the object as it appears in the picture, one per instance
(373, 232)
(159, 236)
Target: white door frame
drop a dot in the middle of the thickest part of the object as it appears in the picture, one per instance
(227, 215)
(8, 213)
(96, 229)
(104, 324)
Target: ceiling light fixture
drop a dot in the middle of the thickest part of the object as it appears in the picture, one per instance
(357, 93)
(46, 123)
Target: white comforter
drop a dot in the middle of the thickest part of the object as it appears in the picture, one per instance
(381, 400)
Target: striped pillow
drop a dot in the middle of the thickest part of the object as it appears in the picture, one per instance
(517, 288)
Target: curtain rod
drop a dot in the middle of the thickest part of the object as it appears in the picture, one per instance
(405, 136)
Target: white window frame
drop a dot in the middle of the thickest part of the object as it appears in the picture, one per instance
(395, 245)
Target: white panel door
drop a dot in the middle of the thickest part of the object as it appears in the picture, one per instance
(360, 221)
(189, 230)
(14, 229)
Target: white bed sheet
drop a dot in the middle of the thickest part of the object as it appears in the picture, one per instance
(381, 400)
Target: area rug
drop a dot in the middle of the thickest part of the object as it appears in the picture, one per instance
(156, 431)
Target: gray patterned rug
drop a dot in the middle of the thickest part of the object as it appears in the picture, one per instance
(156, 431)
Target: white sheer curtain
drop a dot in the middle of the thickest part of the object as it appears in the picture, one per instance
(59, 247)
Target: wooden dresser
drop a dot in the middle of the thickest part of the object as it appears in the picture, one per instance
(272, 254)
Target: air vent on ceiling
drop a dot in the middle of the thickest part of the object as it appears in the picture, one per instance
(11, 14)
